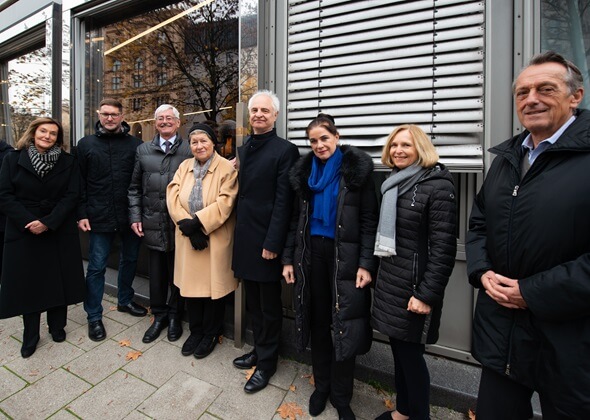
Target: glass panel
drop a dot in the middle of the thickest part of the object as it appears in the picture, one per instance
(248, 49)
(28, 92)
(185, 54)
(565, 28)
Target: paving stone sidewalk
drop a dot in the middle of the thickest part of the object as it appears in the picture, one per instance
(83, 379)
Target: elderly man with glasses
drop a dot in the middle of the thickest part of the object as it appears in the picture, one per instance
(106, 161)
(156, 163)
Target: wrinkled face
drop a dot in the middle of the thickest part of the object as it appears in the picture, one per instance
(110, 118)
(402, 150)
(201, 146)
(262, 114)
(45, 137)
(167, 124)
(543, 102)
(323, 143)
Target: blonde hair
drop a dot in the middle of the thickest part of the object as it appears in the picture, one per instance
(427, 156)
(29, 136)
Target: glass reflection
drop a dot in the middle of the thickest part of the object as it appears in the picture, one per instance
(28, 90)
(185, 54)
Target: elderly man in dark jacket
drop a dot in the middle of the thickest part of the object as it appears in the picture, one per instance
(156, 163)
(528, 251)
(263, 213)
(106, 161)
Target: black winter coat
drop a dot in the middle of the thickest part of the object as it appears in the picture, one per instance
(426, 246)
(106, 164)
(153, 171)
(40, 271)
(4, 149)
(356, 221)
(265, 203)
(537, 230)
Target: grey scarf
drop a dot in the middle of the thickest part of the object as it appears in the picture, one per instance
(43, 162)
(397, 184)
(195, 200)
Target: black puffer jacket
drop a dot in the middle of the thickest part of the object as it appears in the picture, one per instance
(152, 173)
(537, 231)
(426, 245)
(106, 164)
(356, 223)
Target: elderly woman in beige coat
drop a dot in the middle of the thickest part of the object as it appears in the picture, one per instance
(201, 199)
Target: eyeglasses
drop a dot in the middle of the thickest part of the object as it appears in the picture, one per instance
(166, 118)
(107, 116)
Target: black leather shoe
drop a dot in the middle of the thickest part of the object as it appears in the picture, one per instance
(206, 346)
(174, 329)
(258, 380)
(317, 402)
(96, 331)
(153, 332)
(58, 336)
(246, 361)
(132, 308)
(345, 413)
(190, 345)
(28, 349)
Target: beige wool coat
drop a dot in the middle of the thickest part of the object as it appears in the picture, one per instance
(205, 273)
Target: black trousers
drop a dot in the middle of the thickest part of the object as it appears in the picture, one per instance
(205, 316)
(412, 380)
(264, 306)
(161, 268)
(331, 377)
(56, 320)
(500, 397)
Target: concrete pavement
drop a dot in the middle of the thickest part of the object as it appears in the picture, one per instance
(83, 379)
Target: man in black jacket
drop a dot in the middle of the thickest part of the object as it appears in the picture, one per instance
(156, 163)
(106, 161)
(529, 253)
(263, 213)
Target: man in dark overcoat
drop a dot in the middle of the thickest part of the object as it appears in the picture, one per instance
(263, 214)
(528, 252)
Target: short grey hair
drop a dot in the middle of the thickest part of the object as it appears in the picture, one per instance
(274, 98)
(573, 77)
(166, 107)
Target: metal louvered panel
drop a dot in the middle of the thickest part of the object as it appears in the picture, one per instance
(379, 63)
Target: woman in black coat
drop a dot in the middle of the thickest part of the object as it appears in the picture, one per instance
(329, 257)
(42, 271)
(416, 241)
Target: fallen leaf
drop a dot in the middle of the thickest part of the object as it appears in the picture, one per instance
(471, 414)
(220, 339)
(388, 403)
(250, 372)
(113, 308)
(292, 388)
(125, 343)
(290, 411)
(312, 381)
(133, 355)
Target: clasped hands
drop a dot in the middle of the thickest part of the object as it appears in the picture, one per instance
(193, 229)
(36, 227)
(505, 291)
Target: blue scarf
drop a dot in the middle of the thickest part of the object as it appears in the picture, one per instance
(324, 181)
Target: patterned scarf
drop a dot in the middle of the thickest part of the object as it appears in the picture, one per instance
(195, 201)
(43, 162)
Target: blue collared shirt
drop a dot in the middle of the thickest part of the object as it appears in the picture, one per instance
(171, 140)
(534, 152)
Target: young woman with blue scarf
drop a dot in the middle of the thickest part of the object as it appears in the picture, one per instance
(329, 257)
(416, 241)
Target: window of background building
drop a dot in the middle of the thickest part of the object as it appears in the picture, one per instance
(207, 91)
(565, 28)
(26, 94)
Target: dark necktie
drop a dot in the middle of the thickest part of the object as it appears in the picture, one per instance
(167, 145)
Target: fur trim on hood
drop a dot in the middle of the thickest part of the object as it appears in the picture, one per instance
(357, 166)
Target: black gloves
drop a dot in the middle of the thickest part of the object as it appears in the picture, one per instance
(189, 226)
(193, 229)
(199, 240)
